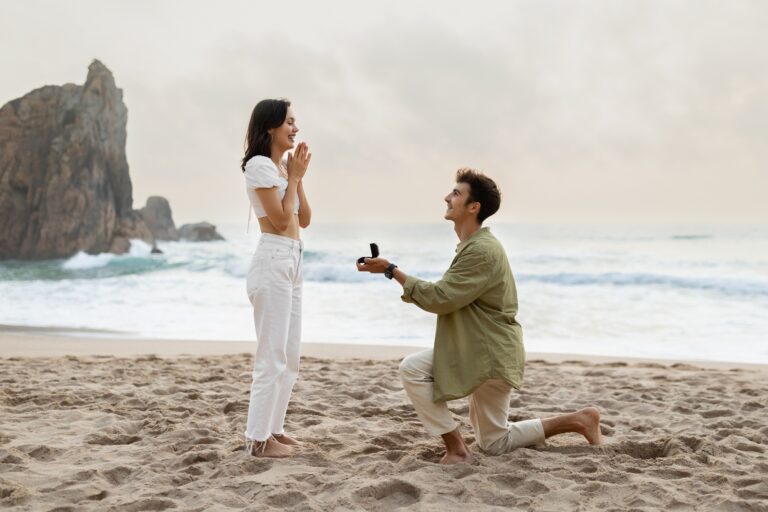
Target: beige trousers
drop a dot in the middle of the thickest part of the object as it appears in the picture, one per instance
(488, 409)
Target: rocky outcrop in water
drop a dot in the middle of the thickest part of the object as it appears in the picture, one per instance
(200, 232)
(64, 182)
(159, 219)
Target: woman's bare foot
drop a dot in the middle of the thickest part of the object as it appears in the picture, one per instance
(286, 439)
(589, 418)
(270, 448)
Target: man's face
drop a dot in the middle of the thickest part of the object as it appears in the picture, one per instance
(456, 200)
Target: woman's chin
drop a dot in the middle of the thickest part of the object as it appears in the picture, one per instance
(287, 147)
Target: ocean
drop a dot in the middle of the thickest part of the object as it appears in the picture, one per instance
(693, 292)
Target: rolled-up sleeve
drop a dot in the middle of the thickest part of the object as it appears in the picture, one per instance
(464, 282)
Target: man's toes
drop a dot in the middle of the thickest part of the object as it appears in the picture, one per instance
(592, 425)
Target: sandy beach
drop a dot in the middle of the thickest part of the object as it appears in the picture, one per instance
(87, 424)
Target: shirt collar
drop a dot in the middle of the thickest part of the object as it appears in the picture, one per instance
(476, 234)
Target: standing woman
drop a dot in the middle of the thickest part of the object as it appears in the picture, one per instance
(276, 192)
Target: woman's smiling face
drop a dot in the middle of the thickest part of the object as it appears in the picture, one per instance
(284, 136)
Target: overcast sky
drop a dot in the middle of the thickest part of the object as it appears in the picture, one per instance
(581, 110)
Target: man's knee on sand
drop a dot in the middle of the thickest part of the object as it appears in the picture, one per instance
(497, 446)
(520, 434)
(501, 445)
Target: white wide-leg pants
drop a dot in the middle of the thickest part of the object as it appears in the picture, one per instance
(274, 288)
(488, 409)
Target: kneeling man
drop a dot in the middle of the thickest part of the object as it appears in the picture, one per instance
(478, 349)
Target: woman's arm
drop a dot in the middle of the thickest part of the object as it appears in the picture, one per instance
(279, 212)
(305, 212)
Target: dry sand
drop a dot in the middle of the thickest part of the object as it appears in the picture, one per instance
(153, 433)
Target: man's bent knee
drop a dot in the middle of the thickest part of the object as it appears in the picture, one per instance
(520, 435)
(499, 446)
(405, 370)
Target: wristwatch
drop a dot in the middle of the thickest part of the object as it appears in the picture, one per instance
(388, 273)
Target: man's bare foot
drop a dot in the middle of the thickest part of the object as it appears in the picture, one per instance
(589, 419)
(585, 422)
(286, 439)
(456, 449)
(455, 458)
(270, 448)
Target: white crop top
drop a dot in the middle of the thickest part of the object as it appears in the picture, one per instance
(261, 172)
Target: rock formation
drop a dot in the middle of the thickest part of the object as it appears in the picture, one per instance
(159, 219)
(200, 232)
(64, 183)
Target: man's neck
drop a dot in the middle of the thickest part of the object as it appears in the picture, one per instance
(466, 229)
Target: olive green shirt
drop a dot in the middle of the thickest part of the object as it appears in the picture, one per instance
(477, 336)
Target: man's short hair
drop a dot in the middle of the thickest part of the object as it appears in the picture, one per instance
(482, 189)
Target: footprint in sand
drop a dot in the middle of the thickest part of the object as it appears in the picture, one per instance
(235, 407)
(111, 439)
(284, 499)
(196, 457)
(641, 450)
(84, 476)
(390, 495)
(520, 484)
(41, 452)
(460, 471)
(117, 475)
(395, 455)
(659, 448)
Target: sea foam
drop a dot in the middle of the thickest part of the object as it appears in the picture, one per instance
(83, 260)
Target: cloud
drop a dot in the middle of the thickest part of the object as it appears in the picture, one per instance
(580, 109)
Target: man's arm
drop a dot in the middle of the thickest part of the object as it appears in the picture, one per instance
(378, 266)
(464, 282)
